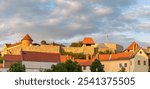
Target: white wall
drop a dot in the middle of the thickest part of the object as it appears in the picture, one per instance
(36, 66)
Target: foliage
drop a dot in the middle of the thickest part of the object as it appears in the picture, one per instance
(76, 44)
(68, 66)
(17, 67)
(122, 69)
(1, 60)
(75, 55)
(43, 42)
(97, 66)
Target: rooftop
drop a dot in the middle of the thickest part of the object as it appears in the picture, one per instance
(27, 37)
(88, 40)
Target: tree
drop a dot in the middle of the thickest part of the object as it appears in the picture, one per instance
(1, 60)
(17, 67)
(76, 44)
(97, 66)
(122, 69)
(68, 66)
(43, 42)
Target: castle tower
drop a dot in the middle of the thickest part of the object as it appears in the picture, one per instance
(26, 41)
(88, 45)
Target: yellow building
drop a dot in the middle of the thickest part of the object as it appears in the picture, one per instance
(112, 47)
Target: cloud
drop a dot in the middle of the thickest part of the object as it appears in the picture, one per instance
(68, 20)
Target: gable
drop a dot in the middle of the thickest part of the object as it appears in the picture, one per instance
(141, 53)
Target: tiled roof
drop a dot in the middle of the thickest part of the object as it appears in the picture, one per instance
(118, 56)
(83, 62)
(131, 46)
(12, 58)
(104, 57)
(40, 56)
(64, 58)
(27, 37)
(88, 40)
(86, 63)
(1, 65)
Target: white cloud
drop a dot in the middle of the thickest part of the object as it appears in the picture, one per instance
(103, 11)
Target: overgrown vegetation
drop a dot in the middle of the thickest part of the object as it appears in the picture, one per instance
(75, 55)
(68, 66)
(17, 67)
(76, 44)
(97, 66)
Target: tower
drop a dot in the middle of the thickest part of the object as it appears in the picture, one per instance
(26, 41)
(88, 45)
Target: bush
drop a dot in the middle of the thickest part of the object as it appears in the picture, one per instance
(75, 55)
(68, 66)
(17, 67)
(76, 44)
(97, 66)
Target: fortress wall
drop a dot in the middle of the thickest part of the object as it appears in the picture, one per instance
(12, 50)
(43, 48)
(73, 49)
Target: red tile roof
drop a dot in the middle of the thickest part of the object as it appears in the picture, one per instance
(131, 46)
(64, 58)
(86, 63)
(120, 56)
(83, 62)
(88, 40)
(27, 37)
(1, 65)
(40, 56)
(104, 57)
(12, 58)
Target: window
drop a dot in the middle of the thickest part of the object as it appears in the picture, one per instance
(84, 67)
(144, 62)
(125, 64)
(140, 52)
(139, 63)
(120, 65)
(88, 44)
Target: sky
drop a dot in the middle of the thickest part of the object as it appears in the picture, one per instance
(66, 21)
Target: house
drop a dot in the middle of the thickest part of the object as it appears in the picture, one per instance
(34, 61)
(133, 60)
(112, 47)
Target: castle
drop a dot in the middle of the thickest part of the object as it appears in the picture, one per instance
(37, 56)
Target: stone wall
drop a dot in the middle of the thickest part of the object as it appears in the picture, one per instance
(43, 48)
(73, 49)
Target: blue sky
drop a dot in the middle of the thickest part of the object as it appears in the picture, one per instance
(65, 21)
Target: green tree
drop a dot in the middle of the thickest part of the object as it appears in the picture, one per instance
(122, 69)
(1, 60)
(68, 66)
(97, 66)
(76, 44)
(17, 67)
(43, 42)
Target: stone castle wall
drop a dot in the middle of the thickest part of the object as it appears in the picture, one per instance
(42, 48)
(73, 49)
